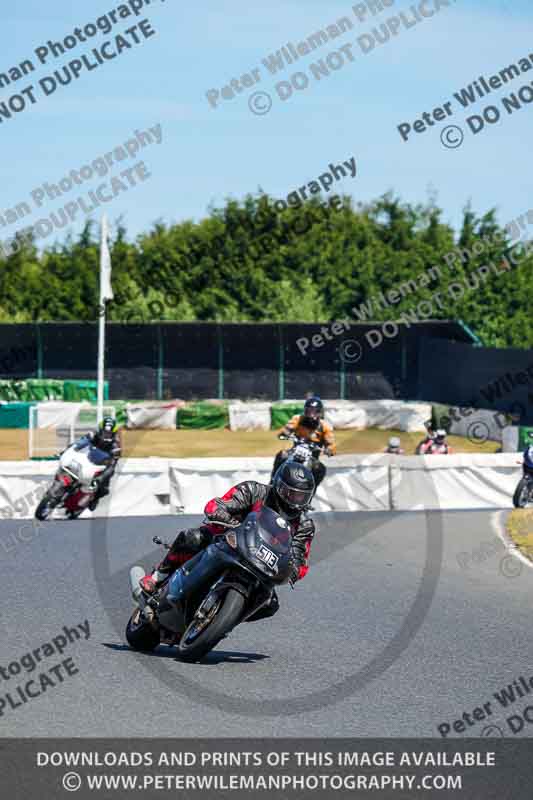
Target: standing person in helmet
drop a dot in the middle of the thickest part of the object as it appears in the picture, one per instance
(289, 495)
(436, 446)
(394, 447)
(312, 427)
(107, 438)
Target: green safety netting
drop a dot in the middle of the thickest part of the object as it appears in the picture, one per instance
(203, 415)
(280, 413)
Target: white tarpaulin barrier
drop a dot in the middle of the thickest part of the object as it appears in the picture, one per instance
(140, 487)
(249, 416)
(510, 439)
(152, 415)
(477, 424)
(454, 481)
(385, 414)
(154, 486)
(353, 482)
(56, 415)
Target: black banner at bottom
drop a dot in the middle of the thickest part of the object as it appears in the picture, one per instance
(52, 769)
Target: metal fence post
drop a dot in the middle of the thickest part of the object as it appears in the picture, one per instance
(39, 343)
(160, 362)
(281, 371)
(220, 364)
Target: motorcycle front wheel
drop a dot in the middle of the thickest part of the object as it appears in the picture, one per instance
(204, 633)
(46, 506)
(522, 495)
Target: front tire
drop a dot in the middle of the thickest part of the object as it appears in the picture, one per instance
(196, 642)
(46, 506)
(140, 634)
(522, 496)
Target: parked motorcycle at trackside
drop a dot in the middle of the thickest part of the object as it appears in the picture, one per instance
(523, 495)
(215, 590)
(74, 484)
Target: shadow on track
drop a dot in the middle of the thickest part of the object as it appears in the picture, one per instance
(215, 657)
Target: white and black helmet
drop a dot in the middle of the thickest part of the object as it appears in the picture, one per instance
(440, 436)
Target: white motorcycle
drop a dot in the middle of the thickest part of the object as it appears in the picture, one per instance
(75, 482)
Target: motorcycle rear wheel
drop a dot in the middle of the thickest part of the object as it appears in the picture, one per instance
(522, 495)
(200, 638)
(140, 634)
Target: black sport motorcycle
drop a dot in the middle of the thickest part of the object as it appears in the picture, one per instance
(523, 495)
(215, 590)
(303, 451)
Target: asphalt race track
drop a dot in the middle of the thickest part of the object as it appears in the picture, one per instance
(383, 637)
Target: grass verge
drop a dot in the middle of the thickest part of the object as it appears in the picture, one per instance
(519, 527)
(222, 442)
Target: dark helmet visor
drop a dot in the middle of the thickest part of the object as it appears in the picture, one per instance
(297, 498)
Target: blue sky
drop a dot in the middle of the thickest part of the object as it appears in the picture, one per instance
(209, 154)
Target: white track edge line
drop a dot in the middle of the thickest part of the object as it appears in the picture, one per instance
(497, 525)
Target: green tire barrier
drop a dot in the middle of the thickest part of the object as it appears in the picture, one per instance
(280, 414)
(83, 391)
(33, 389)
(42, 389)
(204, 416)
(15, 415)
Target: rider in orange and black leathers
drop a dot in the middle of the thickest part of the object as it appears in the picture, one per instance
(312, 427)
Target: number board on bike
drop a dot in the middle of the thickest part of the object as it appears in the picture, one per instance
(267, 556)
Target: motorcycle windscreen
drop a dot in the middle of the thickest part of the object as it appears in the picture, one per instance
(271, 548)
(273, 530)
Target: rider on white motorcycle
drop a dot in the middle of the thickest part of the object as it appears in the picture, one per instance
(106, 438)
